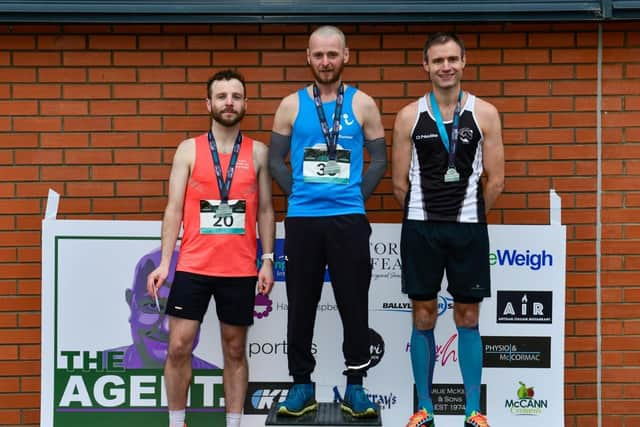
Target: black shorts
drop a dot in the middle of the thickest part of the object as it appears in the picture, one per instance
(234, 296)
(428, 249)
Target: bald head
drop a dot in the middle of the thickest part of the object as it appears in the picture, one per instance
(328, 31)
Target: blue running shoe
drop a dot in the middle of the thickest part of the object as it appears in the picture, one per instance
(357, 403)
(301, 399)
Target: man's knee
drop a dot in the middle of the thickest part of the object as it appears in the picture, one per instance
(425, 314)
(466, 315)
(235, 351)
(179, 349)
(234, 343)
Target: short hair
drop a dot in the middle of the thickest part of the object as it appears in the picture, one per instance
(442, 37)
(330, 30)
(227, 75)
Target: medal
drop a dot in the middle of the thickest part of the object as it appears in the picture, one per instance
(452, 175)
(223, 211)
(332, 168)
(224, 186)
(330, 135)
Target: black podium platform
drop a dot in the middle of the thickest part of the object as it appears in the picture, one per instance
(327, 414)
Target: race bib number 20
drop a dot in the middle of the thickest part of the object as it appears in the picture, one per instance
(214, 222)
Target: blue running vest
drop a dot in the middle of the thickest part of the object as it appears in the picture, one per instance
(315, 199)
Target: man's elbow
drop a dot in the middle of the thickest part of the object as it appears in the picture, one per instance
(173, 210)
(266, 211)
(498, 185)
(383, 163)
(399, 194)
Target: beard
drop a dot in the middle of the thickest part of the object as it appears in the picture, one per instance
(328, 76)
(219, 116)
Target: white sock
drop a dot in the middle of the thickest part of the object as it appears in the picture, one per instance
(233, 420)
(176, 418)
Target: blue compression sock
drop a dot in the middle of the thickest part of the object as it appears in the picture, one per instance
(470, 356)
(423, 361)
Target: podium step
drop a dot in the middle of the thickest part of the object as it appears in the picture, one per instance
(328, 414)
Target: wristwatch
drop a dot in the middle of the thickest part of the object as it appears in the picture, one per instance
(268, 256)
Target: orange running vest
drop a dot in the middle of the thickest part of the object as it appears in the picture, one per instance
(222, 255)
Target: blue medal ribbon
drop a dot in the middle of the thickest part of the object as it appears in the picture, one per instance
(449, 145)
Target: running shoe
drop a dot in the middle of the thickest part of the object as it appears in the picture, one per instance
(357, 403)
(476, 419)
(422, 418)
(301, 399)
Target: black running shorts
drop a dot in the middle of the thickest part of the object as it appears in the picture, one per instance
(428, 249)
(234, 297)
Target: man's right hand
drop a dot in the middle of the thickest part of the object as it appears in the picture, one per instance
(156, 278)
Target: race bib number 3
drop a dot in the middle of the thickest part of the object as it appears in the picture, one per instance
(213, 223)
(314, 167)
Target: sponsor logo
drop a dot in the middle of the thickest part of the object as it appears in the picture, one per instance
(449, 399)
(516, 352)
(385, 260)
(347, 120)
(273, 348)
(524, 307)
(376, 347)
(526, 402)
(242, 164)
(262, 395)
(515, 258)
(94, 382)
(384, 401)
(444, 304)
(404, 306)
(262, 306)
(465, 135)
(425, 136)
(283, 306)
(445, 353)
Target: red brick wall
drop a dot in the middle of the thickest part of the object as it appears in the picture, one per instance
(96, 111)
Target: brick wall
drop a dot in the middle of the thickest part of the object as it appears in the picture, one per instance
(96, 111)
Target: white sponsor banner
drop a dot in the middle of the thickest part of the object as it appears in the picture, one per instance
(101, 338)
(522, 325)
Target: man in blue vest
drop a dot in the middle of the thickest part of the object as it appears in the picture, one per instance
(325, 127)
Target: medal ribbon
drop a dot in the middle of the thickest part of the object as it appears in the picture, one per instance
(224, 185)
(330, 135)
(450, 146)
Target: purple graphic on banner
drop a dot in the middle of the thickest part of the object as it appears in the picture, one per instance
(263, 306)
(150, 327)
